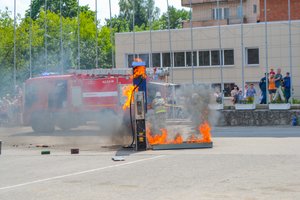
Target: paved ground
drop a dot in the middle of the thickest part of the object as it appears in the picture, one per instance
(245, 163)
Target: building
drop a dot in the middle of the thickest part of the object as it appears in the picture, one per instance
(235, 62)
(207, 12)
(277, 10)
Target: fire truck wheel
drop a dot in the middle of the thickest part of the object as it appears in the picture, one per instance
(42, 122)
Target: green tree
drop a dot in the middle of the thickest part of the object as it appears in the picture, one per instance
(119, 24)
(177, 16)
(142, 9)
(6, 51)
(69, 8)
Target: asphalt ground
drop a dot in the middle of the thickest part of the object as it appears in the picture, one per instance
(245, 163)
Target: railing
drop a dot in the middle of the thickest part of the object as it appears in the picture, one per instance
(214, 22)
(187, 2)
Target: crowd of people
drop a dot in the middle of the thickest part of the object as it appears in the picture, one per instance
(10, 109)
(240, 96)
(279, 87)
(274, 84)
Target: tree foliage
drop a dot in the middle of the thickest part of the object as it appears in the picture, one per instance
(176, 18)
(69, 7)
(142, 9)
(49, 40)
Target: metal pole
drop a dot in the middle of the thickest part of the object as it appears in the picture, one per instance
(78, 34)
(170, 44)
(133, 24)
(242, 47)
(220, 51)
(61, 40)
(111, 38)
(15, 68)
(290, 51)
(150, 12)
(266, 49)
(96, 24)
(46, 50)
(192, 47)
(30, 42)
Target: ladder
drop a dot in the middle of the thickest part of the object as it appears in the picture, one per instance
(114, 71)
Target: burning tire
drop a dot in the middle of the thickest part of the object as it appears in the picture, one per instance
(42, 122)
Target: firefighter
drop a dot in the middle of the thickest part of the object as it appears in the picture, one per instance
(160, 112)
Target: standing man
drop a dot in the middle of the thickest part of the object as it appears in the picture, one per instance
(263, 88)
(278, 83)
(287, 87)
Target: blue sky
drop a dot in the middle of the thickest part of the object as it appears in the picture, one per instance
(103, 6)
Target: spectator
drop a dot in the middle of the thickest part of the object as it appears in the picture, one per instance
(240, 97)
(245, 91)
(278, 85)
(272, 72)
(287, 87)
(234, 94)
(251, 92)
(263, 88)
(218, 96)
(272, 87)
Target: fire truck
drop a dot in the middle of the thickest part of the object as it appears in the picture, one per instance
(68, 101)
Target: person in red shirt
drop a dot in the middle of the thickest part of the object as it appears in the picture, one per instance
(272, 72)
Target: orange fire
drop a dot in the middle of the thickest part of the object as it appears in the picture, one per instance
(204, 130)
(128, 92)
(139, 71)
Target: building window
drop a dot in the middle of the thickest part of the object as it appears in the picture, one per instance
(252, 56)
(215, 57)
(220, 13)
(189, 59)
(228, 57)
(145, 58)
(204, 58)
(227, 88)
(129, 60)
(179, 59)
(216, 13)
(239, 12)
(254, 8)
(166, 59)
(156, 60)
(226, 13)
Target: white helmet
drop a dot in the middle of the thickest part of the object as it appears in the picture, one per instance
(158, 94)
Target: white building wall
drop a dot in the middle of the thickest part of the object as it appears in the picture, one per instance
(207, 38)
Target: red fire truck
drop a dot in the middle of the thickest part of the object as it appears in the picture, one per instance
(67, 101)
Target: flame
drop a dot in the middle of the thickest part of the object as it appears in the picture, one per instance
(162, 138)
(139, 71)
(204, 129)
(128, 92)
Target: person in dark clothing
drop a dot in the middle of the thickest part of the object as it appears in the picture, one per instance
(278, 84)
(287, 86)
(263, 88)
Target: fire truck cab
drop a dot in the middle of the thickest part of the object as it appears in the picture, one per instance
(67, 101)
